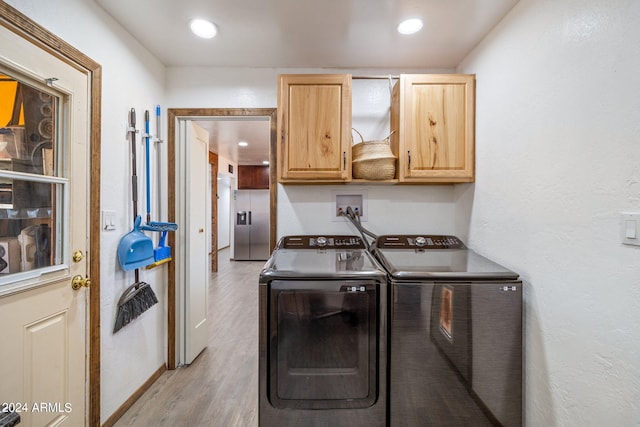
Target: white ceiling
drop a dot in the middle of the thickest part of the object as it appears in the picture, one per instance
(224, 136)
(350, 34)
(309, 33)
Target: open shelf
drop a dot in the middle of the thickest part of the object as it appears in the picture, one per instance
(374, 181)
(25, 213)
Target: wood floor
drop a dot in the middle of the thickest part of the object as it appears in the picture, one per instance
(220, 388)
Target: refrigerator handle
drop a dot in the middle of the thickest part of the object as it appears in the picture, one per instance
(249, 217)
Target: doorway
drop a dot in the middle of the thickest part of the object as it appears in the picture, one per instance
(174, 115)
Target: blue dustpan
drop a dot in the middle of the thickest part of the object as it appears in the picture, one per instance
(135, 249)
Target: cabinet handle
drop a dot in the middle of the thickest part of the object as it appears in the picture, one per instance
(344, 160)
(409, 159)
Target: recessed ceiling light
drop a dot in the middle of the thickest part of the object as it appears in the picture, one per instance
(243, 144)
(410, 26)
(203, 28)
(265, 162)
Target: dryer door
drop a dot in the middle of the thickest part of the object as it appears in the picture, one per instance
(323, 347)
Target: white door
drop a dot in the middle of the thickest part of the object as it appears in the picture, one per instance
(196, 261)
(43, 221)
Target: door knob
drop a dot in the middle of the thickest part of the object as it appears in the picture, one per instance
(78, 282)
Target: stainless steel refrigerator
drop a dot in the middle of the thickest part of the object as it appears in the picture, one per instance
(251, 227)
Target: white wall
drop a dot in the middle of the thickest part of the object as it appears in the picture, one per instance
(227, 207)
(307, 209)
(223, 167)
(224, 211)
(391, 209)
(558, 158)
(131, 78)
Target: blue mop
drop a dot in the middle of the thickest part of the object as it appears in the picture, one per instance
(162, 253)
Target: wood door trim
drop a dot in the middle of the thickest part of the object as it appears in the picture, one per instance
(39, 36)
(172, 115)
(213, 161)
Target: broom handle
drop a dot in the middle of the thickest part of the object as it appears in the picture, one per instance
(134, 176)
(147, 169)
(158, 163)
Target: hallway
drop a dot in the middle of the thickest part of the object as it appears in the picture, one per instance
(220, 388)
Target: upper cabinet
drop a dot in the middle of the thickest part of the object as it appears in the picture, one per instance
(434, 119)
(314, 128)
(253, 177)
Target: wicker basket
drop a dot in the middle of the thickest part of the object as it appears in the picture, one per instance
(373, 160)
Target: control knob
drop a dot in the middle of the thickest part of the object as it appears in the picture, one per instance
(322, 241)
(421, 241)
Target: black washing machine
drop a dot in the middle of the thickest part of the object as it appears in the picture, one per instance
(455, 332)
(323, 335)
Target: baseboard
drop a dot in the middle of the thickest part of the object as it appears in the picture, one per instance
(111, 421)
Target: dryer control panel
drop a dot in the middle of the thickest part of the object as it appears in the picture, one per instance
(415, 241)
(321, 242)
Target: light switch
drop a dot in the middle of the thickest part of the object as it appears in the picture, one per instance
(630, 229)
(629, 223)
(108, 220)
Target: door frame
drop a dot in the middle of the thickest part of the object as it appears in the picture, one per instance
(39, 36)
(213, 234)
(173, 114)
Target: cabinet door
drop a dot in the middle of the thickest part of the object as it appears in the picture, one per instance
(314, 127)
(436, 120)
(253, 177)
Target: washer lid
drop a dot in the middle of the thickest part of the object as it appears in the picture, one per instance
(445, 258)
(330, 261)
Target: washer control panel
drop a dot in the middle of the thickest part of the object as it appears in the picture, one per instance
(425, 241)
(321, 242)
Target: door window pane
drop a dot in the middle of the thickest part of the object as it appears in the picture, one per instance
(32, 198)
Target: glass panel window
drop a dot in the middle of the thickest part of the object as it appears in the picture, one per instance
(33, 197)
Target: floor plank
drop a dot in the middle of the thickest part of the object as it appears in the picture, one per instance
(220, 388)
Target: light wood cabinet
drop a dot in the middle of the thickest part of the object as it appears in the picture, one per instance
(434, 116)
(314, 128)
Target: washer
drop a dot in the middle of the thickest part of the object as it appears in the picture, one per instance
(323, 340)
(455, 331)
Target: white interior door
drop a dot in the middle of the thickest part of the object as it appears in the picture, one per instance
(197, 248)
(43, 221)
